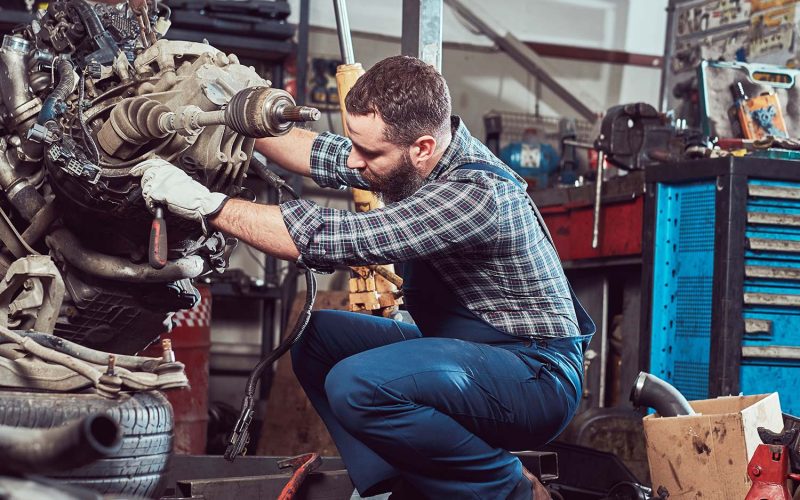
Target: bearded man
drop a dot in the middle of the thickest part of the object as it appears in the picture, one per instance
(494, 361)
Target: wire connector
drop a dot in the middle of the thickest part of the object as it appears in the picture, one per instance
(240, 436)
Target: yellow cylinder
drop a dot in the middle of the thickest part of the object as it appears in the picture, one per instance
(368, 291)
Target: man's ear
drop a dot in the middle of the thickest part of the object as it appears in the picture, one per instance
(423, 149)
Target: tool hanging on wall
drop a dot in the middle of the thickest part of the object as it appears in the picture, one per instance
(369, 291)
(759, 116)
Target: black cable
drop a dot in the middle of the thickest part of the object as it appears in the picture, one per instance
(88, 140)
(240, 435)
(272, 178)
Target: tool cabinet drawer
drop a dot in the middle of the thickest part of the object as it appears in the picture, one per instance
(773, 219)
(771, 291)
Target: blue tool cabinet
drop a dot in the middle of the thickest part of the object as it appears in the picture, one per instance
(721, 289)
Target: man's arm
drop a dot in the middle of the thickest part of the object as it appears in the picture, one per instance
(291, 151)
(260, 226)
(323, 157)
(442, 218)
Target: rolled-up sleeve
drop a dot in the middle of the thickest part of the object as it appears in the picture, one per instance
(329, 153)
(441, 218)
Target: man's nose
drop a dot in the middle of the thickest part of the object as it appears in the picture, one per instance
(354, 161)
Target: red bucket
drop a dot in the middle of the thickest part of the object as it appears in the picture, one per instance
(191, 341)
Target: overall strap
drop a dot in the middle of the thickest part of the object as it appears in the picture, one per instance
(486, 167)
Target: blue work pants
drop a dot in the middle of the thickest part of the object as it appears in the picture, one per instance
(442, 413)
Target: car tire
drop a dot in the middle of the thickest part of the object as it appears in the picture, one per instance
(146, 423)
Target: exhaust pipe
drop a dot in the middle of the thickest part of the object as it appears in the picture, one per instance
(652, 392)
(44, 451)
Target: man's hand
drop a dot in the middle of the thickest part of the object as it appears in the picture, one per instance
(165, 184)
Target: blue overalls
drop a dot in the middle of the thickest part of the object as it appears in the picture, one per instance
(442, 402)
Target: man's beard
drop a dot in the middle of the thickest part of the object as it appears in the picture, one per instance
(399, 184)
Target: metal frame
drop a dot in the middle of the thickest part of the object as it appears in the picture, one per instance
(214, 478)
(422, 31)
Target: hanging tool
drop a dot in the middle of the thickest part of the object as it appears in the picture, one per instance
(369, 291)
(157, 253)
(598, 192)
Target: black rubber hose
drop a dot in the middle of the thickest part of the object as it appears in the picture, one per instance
(652, 392)
(236, 444)
(28, 201)
(65, 78)
(90, 19)
(272, 178)
(43, 451)
(275, 180)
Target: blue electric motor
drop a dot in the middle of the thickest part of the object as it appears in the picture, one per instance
(533, 160)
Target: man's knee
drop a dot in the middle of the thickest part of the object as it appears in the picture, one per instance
(350, 389)
(303, 350)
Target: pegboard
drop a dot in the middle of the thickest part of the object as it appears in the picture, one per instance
(763, 31)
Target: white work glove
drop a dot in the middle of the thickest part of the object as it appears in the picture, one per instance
(165, 184)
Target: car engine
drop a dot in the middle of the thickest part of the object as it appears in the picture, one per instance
(86, 93)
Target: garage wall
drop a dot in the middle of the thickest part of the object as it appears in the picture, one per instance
(482, 78)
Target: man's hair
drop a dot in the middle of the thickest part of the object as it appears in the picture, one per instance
(409, 95)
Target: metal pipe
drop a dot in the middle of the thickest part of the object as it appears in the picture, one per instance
(578, 144)
(343, 28)
(601, 392)
(598, 195)
(78, 443)
(20, 103)
(652, 392)
(96, 264)
(139, 363)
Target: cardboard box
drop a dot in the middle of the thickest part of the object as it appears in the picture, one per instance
(705, 455)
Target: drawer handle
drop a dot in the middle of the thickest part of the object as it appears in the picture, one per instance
(770, 219)
(782, 193)
(769, 245)
(771, 299)
(772, 273)
(771, 352)
(757, 326)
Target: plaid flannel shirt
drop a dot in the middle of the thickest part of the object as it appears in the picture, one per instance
(475, 228)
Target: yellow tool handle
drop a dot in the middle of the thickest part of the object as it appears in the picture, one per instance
(346, 77)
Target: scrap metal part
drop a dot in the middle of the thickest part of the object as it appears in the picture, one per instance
(39, 361)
